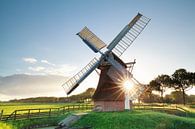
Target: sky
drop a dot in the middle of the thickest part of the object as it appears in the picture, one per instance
(38, 37)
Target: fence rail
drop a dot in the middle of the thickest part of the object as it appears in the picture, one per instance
(42, 112)
(49, 112)
(169, 108)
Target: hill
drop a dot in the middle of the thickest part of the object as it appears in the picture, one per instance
(135, 120)
(23, 86)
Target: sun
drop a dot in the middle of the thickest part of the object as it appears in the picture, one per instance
(127, 85)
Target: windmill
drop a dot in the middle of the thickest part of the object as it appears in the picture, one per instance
(110, 94)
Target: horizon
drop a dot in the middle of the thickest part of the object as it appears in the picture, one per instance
(39, 37)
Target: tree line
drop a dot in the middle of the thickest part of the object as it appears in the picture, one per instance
(79, 98)
(180, 81)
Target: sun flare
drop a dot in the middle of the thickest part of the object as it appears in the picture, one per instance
(127, 85)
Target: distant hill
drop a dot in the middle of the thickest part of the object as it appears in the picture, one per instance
(85, 96)
(23, 86)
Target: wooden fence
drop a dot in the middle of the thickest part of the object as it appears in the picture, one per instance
(159, 106)
(50, 112)
(169, 108)
(42, 112)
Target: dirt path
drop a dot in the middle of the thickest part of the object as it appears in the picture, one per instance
(68, 121)
(52, 127)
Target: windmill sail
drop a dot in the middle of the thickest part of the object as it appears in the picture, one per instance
(136, 90)
(74, 82)
(130, 32)
(91, 39)
(120, 43)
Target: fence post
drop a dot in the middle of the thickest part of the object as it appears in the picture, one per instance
(49, 112)
(28, 114)
(39, 112)
(58, 111)
(15, 113)
(63, 110)
(1, 114)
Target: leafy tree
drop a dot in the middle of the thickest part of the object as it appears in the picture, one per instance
(160, 84)
(174, 97)
(191, 76)
(191, 99)
(148, 97)
(182, 80)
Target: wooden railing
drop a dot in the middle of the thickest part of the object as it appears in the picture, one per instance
(42, 112)
(50, 112)
(164, 108)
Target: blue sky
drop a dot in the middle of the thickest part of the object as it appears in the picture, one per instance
(39, 36)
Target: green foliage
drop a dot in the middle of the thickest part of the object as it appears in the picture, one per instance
(49, 121)
(148, 97)
(87, 95)
(135, 120)
(160, 84)
(18, 124)
(82, 97)
(174, 97)
(180, 80)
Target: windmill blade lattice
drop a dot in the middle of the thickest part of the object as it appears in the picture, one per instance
(74, 82)
(136, 90)
(126, 37)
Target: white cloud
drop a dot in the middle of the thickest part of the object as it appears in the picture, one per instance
(47, 62)
(50, 68)
(63, 70)
(36, 69)
(29, 60)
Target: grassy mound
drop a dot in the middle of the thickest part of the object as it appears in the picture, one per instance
(135, 120)
(32, 123)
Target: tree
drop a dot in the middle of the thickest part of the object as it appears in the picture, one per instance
(174, 97)
(191, 99)
(150, 98)
(160, 84)
(192, 78)
(182, 80)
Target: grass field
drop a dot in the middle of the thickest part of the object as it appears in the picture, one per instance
(137, 119)
(8, 108)
(18, 124)
(141, 119)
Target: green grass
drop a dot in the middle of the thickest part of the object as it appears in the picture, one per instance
(18, 124)
(137, 119)
(4, 125)
(8, 108)
(141, 119)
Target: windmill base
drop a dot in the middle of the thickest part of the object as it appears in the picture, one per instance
(107, 106)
